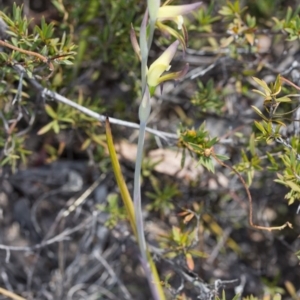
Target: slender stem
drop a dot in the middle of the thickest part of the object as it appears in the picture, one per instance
(144, 50)
(151, 34)
(137, 189)
(144, 112)
(31, 53)
(250, 217)
(139, 213)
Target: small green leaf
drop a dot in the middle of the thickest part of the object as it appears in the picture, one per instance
(99, 139)
(198, 253)
(67, 120)
(259, 92)
(50, 111)
(295, 187)
(65, 62)
(260, 127)
(176, 233)
(284, 99)
(55, 126)
(263, 85)
(46, 128)
(85, 144)
(222, 157)
(227, 41)
(252, 144)
(259, 113)
(236, 297)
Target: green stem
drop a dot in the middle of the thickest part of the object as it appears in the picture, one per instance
(147, 262)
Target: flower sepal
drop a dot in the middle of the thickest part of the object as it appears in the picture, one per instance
(167, 30)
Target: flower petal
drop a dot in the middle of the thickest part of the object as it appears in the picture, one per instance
(174, 75)
(167, 30)
(171, 11)
(175, 12)
(167, 55)
(161, 65)
(154, 73)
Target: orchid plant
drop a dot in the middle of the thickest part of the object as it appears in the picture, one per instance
(153, 76)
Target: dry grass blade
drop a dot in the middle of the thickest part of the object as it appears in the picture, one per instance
(10, 295)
